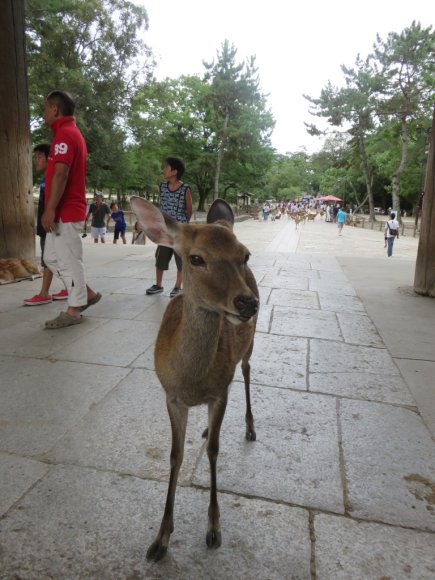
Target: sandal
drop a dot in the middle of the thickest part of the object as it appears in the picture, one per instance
(91, 301)
(62, 321)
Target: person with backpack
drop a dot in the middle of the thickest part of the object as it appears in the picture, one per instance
(391, 232)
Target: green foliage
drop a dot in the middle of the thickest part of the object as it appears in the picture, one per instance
(220, 123)
(90, 48)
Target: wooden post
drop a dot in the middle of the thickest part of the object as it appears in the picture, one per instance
(424, 280)
(17, 217)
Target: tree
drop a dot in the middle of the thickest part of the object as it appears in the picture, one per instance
(171, 117)
(354, 106)
(91, 48)
(241, 124)
(290, 176)
(17, 229)
(424, 280)
(405, 62)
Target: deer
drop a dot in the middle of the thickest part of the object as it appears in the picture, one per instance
(204, 333)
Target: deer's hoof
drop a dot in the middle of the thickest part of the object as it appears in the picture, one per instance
(251, 435)
(156, 551)
(213, 539)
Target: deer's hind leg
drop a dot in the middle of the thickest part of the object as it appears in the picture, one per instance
(249, 418)
(216, 412)
(178, 416)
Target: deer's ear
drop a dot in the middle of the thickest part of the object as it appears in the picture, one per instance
(220, 210)
(159, 228)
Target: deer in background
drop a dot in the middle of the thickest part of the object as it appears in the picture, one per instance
(205, 332)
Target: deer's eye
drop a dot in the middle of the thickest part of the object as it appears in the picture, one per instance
(196, 261)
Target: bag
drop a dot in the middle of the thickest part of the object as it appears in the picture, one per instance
(393, 231)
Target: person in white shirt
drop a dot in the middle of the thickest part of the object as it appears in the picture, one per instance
(391, 232)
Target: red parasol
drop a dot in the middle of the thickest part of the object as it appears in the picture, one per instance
(329, 198)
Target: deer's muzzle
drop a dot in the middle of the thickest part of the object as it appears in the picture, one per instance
(247, 306)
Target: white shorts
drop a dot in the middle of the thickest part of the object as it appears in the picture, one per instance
(63, 254)
(98, 232)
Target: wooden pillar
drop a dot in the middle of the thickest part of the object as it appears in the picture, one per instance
(17, 218)
(424, 280)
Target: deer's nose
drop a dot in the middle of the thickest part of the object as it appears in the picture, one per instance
(246, 305)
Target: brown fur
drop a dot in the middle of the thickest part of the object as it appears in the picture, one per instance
(16, 269)
(204, 334)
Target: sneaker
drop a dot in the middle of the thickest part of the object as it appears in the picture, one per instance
(154, 289)
(62, 295)
(37, 300)
(174, 292)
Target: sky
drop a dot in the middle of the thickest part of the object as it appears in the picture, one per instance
(299, 46)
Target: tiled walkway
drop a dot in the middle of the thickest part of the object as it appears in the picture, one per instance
(339, 484)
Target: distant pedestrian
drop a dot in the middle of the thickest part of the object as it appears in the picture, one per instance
(341, 219)
(139, 237)
(99, 210)
(391, 232)
(117, 215)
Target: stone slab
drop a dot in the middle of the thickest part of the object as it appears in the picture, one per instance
(17, 475)
(334, 356)
(129, 432)
(291, 282)
(29, 338)
(324, 263)
(359, 329)
(358, 550)
(304, 322)
(295, 458)
(340, 303)
(389, 461)
(278, 361)
(155, 310)
(145, 360)
(357, 385)
(119, 306)
(41, 400)
(264, 318)
(419, 375)
(99, 525)
(295, 298)
(331, 286)
(116, 342)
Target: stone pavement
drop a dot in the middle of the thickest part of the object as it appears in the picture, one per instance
(341, 480)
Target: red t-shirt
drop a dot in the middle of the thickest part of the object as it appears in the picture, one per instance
(69, 147)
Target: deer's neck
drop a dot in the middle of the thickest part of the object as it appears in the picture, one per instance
(198, 338)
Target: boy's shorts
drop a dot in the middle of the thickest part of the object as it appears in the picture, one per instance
(98, 232)
(163, 257)
(118, 231)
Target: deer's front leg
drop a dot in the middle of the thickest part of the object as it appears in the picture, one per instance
(216, 412)
(249, 418)
(178, 416)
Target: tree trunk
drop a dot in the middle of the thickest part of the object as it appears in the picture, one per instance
(17, 214)
(219, 157)
(424, 279)
(367, 177)
(395, 180)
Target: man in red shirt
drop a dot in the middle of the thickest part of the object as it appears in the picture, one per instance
(65, 207)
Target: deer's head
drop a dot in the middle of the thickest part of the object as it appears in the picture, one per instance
(214, 261)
